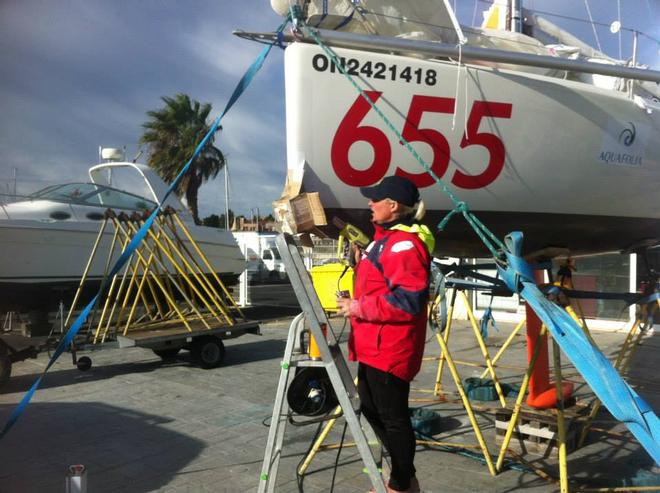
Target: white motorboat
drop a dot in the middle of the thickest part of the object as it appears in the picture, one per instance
(46, 239)
(534, 130)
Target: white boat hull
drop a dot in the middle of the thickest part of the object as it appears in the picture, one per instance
(42, 263)
(568, 164)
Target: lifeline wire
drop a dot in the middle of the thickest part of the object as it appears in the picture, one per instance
(139, 236)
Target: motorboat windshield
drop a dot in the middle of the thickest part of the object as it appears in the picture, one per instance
(92, 194)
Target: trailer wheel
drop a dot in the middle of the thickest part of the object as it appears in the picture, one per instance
(167, 353)
(5, 369)
(84, 363)
(208, 351)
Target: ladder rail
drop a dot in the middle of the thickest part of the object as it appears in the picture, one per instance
(332, 360)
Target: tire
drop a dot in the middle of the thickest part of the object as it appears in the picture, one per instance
(84, 363)
(167, 354)
(5, 368)
(208, 351)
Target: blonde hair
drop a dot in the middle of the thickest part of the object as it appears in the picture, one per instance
(416, 212)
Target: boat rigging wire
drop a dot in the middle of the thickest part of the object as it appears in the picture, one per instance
(593, 27)
(364, 12)
(585, 21)
(618, 18)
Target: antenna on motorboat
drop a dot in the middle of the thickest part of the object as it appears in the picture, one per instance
(137, 156)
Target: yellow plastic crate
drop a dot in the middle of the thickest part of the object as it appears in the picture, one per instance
(327, 282)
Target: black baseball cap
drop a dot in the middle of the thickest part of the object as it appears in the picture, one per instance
(393, 187)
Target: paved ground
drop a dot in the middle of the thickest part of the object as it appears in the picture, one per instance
(142, 425)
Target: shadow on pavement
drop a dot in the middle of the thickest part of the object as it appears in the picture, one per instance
(121, 449)
(237, 353)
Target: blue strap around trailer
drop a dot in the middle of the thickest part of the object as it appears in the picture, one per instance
(619, 398)
(139, 236)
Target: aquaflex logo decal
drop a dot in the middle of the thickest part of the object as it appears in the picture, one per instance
(627, 135)
(623, 145)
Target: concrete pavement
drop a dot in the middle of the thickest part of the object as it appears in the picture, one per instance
(142, 425)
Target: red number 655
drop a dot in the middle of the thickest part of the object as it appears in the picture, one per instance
(350, 131)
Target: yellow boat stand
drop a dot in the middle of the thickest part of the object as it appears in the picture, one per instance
(162, 282)
(623, 360)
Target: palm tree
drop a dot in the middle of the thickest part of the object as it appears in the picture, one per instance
(172, 136)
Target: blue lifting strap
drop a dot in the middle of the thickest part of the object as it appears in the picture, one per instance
(619, 398)
(137, 239)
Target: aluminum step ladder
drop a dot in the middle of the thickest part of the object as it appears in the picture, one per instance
(331, 359)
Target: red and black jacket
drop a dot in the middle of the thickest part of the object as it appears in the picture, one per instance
(391, 290)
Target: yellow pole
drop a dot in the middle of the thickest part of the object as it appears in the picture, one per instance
(521, 395)
(450, 314)
(134, 280)
(318, 443)
(506, 344)
(201, 281)
(113, 283)
(561, 428)
(86, 270)
(206, 262)
(139, 294)
(106, 270)
(467, 405)
(484, 350)
(167, 273)
(180, 245)
(133, 270)
(183, 275)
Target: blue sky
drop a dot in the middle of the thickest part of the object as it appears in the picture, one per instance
(82, 73)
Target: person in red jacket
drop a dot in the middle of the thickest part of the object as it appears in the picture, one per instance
(388, 319)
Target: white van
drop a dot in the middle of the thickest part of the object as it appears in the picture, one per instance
(263, 259)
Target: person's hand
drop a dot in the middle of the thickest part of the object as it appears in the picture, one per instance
(356, 254)
(348, 307)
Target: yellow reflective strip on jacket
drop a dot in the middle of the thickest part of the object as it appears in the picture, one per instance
(420, 230)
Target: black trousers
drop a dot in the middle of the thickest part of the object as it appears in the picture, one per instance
(384, 402)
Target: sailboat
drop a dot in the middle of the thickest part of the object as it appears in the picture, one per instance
(534, 129)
